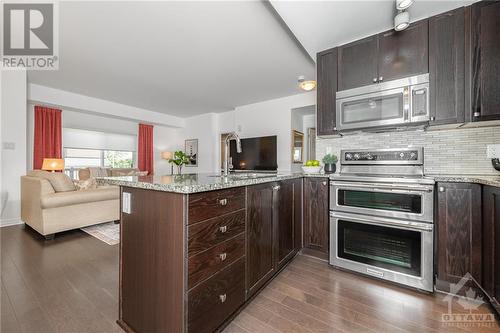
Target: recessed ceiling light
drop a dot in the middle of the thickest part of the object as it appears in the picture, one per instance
(306, 85)
(401, 21)
(403, 4)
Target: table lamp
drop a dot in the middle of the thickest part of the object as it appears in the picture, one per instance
(53, 164)
(168, 155)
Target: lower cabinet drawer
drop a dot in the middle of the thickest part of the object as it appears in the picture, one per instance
(209, 262)
(213, 301)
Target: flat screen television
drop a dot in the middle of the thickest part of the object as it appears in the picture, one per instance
(258, 154)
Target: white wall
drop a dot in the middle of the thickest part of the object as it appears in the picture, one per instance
(271, 117)
(13, 134)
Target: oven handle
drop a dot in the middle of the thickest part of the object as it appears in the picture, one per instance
(419, 188)
(408, 225)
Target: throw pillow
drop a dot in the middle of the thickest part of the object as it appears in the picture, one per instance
(87, 184)
(59, 181)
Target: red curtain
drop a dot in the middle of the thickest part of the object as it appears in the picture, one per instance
(145, 148)
(47, 138)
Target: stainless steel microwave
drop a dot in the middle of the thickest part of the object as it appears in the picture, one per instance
(394, 103)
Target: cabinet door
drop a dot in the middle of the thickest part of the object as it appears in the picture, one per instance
(297, 212)
(285, 226)
(260, 235)
(447, 67)
(458, 233)
(316, 233)
(491, 244)
(357, 64)
(485, 60)
(404, 53)
(327, 88)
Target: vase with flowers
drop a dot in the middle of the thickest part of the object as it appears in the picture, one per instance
(179, 159)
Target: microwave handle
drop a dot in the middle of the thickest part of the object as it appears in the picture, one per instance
(406, 104)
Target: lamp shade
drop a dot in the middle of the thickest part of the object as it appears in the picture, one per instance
(53, 164)
(166, 155)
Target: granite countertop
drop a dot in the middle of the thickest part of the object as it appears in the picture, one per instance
(491, 180)
(198, 182)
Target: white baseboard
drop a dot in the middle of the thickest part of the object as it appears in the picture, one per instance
(9, 222)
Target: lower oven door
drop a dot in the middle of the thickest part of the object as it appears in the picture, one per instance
(402, 201)
(394, 250)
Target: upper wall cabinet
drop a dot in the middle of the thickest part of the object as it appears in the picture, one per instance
(387, 56)
(357, 63)
(447, 67)
(484, 60)
(327, 87)
(404, 53)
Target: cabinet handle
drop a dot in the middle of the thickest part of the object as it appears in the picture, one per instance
(222, 202)
(380, 79)
(223, 229)
(223, 256)
(276, 188)
(374, 80)
(477, 114)
(433, 118)
(222, 298)
(335, 128)
(441, 189)
(324, 183)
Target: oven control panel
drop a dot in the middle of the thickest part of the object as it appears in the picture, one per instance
(405, 156)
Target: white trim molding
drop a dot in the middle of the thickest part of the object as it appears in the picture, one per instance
(11, 221)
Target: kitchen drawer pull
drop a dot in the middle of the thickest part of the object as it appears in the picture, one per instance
(276, 188)
(222, 298)
(324, 183)
(223, 229)
(222, 202)
(223, 256)
(441, 189)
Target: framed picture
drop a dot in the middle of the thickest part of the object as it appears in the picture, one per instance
(191, 150)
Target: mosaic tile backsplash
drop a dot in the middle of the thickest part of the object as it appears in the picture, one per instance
(446, 152)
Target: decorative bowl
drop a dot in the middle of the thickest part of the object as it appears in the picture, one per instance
(311, 169)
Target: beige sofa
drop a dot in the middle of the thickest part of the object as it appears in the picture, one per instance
(48, 211)
(86, 173)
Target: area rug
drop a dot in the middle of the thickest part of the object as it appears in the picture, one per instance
(108, 232)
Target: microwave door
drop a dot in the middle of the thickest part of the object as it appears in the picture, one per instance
(383, 108)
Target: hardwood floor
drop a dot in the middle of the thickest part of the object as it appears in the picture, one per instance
(71, 285)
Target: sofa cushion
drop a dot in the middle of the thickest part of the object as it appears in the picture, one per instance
(78, 197)
(87, 184)
(59, 181)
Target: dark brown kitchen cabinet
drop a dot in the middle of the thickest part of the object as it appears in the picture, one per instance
(289, 220)
(327, 88)
(484, 60)
(403, 53)
(316, 222)
(458, 230)
(447, 67)
(260, 234)
(491, 244)
(357, 63)
(383, 57)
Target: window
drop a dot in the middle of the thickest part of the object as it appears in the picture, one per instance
(77, 158)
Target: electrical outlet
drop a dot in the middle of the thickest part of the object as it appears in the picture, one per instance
(493, 151)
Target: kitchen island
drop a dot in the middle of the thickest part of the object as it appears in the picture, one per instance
(196, 248)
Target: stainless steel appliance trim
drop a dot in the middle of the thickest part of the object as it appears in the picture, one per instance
(423, 282)
(382, 179)
(426, 192)
(384, 221)
(418, 161)
(421, 118)
(373, 88)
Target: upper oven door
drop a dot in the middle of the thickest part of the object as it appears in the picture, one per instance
(402, 201)
(382, 108)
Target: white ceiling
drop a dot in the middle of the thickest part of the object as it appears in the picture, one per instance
(180, 58)
(319, 25)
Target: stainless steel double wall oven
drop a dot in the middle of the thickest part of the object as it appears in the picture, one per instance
(381, 216)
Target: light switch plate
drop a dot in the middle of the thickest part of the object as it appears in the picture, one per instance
(9, 145)
(493, 151)
(126, 203)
